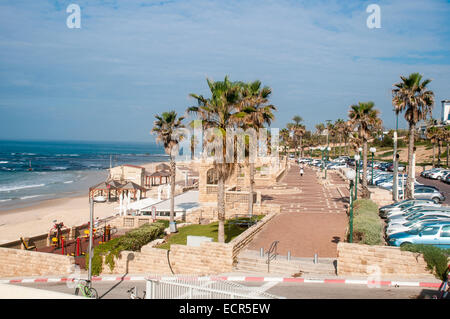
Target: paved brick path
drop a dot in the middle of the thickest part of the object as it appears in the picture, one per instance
(312, 218)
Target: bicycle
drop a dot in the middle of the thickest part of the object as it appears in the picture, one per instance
(134, 294)
(86, 289)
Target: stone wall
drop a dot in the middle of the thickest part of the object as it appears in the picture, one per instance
(358, 260)
(16, 262)
(207, 259)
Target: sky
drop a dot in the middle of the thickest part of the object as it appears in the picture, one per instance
(133, 59)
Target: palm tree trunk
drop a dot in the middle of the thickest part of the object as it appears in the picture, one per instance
(439, 154)
(447, 153)
(251, 182)
(365, 193)
(340, 145)
(172, 190)
(410, 181)
(434, 152)
(301, 146)
(221, 205)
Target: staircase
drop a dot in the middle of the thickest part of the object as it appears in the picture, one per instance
(250, 261)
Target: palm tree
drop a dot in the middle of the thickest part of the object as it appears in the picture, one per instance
(285, 141)
(412, 96)
(220, 111)
(165, 127)
(299, 130)
(365, 118)
(340, 130)
(258, 113)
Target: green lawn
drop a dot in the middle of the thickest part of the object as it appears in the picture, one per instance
(231, 231)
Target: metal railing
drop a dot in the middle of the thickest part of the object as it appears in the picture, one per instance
(196, 288)
(271, 253)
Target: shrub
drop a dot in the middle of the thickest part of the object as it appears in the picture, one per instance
(436, 258)
(133, 240)
(367, 226)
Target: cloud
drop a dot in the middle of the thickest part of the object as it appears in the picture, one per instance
(319, 57)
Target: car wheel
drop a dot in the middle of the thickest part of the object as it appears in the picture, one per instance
(436, 200)
(405, 243)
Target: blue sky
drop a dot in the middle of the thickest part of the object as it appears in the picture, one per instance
(132, 59)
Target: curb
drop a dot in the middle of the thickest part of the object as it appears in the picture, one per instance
(369, 283)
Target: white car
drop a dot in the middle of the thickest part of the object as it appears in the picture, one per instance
(438, 174)
(439, 211)
(398, 228)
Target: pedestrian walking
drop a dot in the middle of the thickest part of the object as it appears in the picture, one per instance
(301, 170)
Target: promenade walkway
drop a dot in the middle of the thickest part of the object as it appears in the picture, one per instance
(313, 217)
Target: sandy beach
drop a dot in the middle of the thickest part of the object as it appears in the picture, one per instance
(38, 219)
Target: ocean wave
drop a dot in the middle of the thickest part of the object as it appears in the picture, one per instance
(5, 200)
(18, 187)
(68, 182)
(4, 162)
(59, 168)
(28, 197)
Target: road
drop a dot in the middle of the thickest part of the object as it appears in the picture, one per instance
(118, 290)
(443, 187)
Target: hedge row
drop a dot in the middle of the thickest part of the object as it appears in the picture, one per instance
(436, 258)
(367, 225)
(133, 241)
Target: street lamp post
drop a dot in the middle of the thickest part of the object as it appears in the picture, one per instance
(321, 150)
(91, 230)
(357, 157)
(372, 150)
(351, 176)
(326, 159)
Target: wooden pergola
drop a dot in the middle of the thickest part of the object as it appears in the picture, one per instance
(108, 188)
(113, 190)
(150, 179)
(133, 188)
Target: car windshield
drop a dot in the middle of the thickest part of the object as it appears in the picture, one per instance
(414, 216)
(414, 231)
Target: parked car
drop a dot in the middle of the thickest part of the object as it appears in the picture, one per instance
(399, 228)
(446, 179)
(402, 218)
(438, 174)
(425, 192)
(437, 234)
(405, 204)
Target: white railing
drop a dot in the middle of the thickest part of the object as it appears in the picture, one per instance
(196, 288)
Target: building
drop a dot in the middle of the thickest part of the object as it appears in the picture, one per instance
(445, 115)
(128, 173)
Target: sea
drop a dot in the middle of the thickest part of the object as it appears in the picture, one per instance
(33, 171)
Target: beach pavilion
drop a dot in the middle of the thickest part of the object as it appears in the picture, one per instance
(152, 179)
(136, 190)
(108, 188)
(113, 190)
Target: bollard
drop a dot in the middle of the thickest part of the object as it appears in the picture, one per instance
(261, 252)
(289, 255)
(78, 246)
(62, 245)
(316, 258)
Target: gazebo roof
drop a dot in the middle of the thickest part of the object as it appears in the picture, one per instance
(132, 186)
(107, 185)
(162, 167)
(160, 174)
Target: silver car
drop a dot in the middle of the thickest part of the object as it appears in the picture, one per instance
(429, 193)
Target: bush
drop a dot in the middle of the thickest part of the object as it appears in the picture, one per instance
(436, 258)
(133, 240)
(367, 226)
